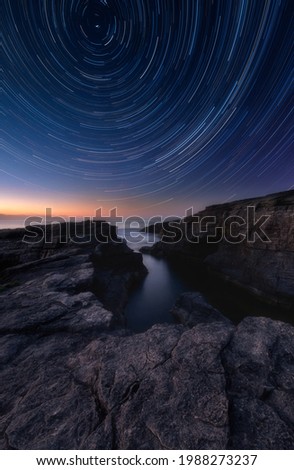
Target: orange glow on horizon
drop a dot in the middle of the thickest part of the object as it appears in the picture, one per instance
(61, 205)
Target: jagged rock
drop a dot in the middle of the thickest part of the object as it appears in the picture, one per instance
(265, 269)
(49, 304)
(115, 255)
(154, 250)
(259, 364)
(256, 425)
(191, 309)
(43, 407)
(119, 269)
(109, 270)
(21, 246)
(161, 389)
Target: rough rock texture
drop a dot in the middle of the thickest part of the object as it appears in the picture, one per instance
(43, 407)
(212, 386)
(109, 270)
(52, 301)
(119, 269)
(163, 389)
(259, 365)
(265, 269)
(21, 246)
(192, 308)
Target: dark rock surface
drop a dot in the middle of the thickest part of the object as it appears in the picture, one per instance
(119, 269)
(212, 386)
(73, 261)
(259, 364)
(265, 269)
(192, 308)
(21, 246)
(163, 389)
(49, 311)
(160, 227)
(52, 301)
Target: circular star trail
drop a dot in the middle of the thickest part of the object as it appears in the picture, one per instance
(160, 100)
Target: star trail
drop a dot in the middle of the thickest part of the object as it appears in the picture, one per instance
(148, 105)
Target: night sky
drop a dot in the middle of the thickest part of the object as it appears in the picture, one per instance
(152, 106)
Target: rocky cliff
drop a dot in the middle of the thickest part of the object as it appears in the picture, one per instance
(249, 243)
(77, 255)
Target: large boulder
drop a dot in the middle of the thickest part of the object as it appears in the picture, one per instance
(52, 301)
(259, 366)
(191, 309)
(117, 270)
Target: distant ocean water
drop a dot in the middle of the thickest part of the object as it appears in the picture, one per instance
(9, 222)
(12, 223)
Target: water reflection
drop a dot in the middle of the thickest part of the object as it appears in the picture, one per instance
(153, 298)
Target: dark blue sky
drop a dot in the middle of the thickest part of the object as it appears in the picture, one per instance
(151, 106)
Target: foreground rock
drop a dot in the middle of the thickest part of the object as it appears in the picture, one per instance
(164, 389)
(212, 386)
(259, 366)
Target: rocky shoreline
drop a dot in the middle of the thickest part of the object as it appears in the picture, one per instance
(263, 268)
(73, 377)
